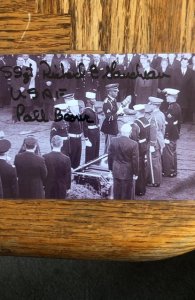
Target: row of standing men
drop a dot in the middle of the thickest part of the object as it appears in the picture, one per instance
(181, 70)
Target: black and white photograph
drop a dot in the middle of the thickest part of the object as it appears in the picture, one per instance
(97, 126)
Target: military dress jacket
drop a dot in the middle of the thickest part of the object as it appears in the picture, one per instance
(173, 122)
(110, 125)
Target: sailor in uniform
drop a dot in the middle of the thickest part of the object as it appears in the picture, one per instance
(75, 133)
(91, 130)
(143, 141)
(61, 128)
(111, 112)
(173, 125)
(157, 131)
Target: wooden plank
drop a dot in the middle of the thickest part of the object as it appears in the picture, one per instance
(17, 5)
(97, 229)
(133, 230)
(58, 7)
(133, 26)
(32, 33)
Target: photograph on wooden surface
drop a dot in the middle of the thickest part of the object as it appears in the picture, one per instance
(97, 126)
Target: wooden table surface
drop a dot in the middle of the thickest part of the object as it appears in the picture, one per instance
(131, 230)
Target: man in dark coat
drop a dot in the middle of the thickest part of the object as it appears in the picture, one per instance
(31, 171)
(123, 160)
(164, 82)
(181, 80)
(4, 95)
(59, 171)
(18, 89)
(173, 124)
(91, 130)
(145, 88)
(143, 141)
(47, 86)
(111, 111)
(7, 172)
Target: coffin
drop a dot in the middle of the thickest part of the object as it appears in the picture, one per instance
(96, 174)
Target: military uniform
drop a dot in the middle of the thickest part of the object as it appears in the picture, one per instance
(109, 125)
(173, 124)
(61, 128)
(92, 132)
(75, 133)
(157, 131)
(143, 141)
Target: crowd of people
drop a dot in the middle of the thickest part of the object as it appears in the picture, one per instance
(144, 100)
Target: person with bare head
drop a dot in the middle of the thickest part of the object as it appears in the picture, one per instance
(182, 79)
(145, 88)
(123, 161)
(58, 179)
(19, 90)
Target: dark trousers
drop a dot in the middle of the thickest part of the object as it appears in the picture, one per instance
(169, 159)
(93, 151)
(75, 152)
(122, 189)
(140, 187)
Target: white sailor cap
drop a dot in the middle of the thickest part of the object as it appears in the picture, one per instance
(139, 107)
(62, 106)
(172, 92)
(155, 100)
(90, 95)
(68, 97)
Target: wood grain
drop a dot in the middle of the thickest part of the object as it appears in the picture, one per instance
(133, 26)
(32, 33)
(17, 5)
(131, 230)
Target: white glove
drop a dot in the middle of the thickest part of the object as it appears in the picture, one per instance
(152, 149)
(48, 83)
(167, 141)
(135, 177)
(120, 110)
(88, 143)
(22, 89)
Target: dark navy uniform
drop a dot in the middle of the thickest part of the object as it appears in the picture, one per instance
(143, 141)
(61, 128)
(92, 132)
(173, 124)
